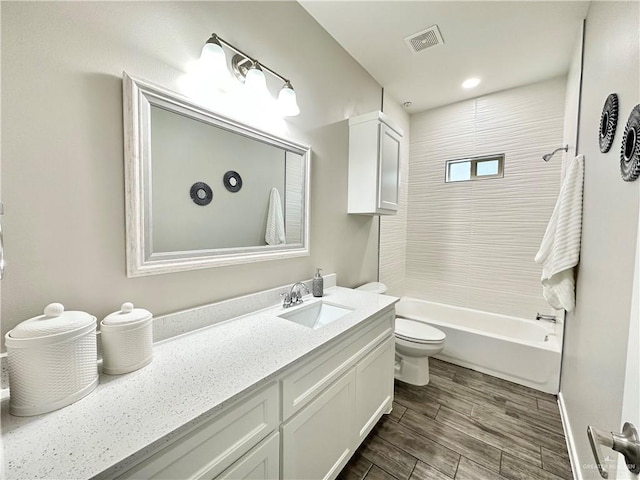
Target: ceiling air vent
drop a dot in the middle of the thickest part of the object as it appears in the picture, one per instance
(425, 39)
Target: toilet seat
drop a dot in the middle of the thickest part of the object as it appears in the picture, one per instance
(418, 332)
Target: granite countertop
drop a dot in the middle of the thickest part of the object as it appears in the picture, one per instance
(191, 378)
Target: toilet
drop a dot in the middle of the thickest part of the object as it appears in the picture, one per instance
(415, 343)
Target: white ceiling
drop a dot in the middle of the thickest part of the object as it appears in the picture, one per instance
(506, 44)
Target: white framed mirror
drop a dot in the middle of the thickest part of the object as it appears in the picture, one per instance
(203, 190)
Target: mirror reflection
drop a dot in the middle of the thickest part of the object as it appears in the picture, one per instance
(185, 151)
(204, 190)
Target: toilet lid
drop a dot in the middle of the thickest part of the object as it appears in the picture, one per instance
(418, 332)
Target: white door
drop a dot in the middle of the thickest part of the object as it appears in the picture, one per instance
(614, 463)
(631, 399)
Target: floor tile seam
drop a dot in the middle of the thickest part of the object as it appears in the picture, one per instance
(493, 444)
(395, 446)
(568, 463)
(441, 399)
(496, 386)
(423, 461)
(387, 472)
(484, 397)
(414, 466)
(557, 442)
(499, 397)
(449, 447)
(404, 413)
(564, 455)
(555, 430)
(368, 468)
(500, 430)
(518, 459)
(504, 411)
(500, 383)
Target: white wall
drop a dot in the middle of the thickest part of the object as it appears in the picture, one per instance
(62, 149)
(593, 365)
(472, 244)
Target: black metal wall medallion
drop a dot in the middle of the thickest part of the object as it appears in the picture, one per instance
(201, 193)
(630, 151)
(608, 122)
(232, 181)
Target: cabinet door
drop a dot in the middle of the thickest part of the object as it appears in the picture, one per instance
(306, 382)
(389, 165)
(261, 463)
(319, 440)
(374, 386)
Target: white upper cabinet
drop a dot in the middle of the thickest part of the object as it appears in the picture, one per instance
(374, 164)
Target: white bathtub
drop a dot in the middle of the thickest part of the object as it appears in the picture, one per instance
(521, 351)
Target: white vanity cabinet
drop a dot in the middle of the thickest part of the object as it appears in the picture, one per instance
(355, 380)
(374, 164)
(306, 423)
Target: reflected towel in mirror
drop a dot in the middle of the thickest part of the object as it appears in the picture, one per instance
(275, 234)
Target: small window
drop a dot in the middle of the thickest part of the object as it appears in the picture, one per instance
(476, 168)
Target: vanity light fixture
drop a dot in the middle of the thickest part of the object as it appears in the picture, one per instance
(471, 83)
(248, 71)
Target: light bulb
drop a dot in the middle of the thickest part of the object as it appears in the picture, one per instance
(287, 101)
(212, 54)
(254, 81)
(213, 64)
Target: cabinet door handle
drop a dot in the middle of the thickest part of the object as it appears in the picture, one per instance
(627, 443)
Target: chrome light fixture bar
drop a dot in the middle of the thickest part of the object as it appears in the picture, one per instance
(248, 71)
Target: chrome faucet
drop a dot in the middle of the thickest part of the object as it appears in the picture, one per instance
(546, 318)
(293, 296)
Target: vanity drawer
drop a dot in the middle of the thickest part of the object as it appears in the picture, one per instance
(301, 386)
(213, 446)
(261, 463)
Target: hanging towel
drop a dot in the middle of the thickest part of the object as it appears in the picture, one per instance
(275, 234)
(560, 248)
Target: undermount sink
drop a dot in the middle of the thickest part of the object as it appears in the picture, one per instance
(317, 314)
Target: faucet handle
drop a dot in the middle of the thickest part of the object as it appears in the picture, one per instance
(286, 301)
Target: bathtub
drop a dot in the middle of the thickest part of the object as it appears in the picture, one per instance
(522, 351)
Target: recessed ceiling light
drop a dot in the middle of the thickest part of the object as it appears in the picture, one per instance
(471, 82)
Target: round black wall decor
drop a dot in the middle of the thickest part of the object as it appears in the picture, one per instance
(630, 151)
(608, 122)
(232, 181)
(201, 193)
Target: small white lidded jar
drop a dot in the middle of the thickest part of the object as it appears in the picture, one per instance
(52, 361)
(127, 340)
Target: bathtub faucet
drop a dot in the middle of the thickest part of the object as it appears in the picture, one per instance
(546, 318)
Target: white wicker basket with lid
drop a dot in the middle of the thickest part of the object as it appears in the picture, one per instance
(127, 340)
(52, 361)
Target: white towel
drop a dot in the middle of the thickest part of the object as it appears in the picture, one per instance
(560, 248)
(275, 234)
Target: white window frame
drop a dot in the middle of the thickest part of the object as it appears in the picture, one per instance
(500, 157)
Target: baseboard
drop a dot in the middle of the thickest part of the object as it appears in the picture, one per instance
(568, 435)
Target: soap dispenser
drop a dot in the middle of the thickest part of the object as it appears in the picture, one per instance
(317, 287)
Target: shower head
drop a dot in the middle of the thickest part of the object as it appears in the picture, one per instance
(548, 156)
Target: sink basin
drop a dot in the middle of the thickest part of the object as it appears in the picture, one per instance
(317, 314)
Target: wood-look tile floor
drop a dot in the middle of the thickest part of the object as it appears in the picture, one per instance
(464, 425)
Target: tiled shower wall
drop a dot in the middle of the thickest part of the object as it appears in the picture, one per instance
(472, 244)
